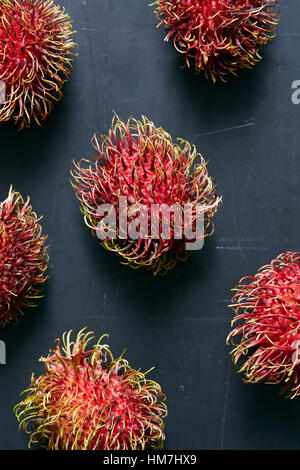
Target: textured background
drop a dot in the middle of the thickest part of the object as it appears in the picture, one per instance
(249, 130)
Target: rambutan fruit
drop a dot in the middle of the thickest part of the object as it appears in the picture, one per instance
(218, 36)
(36, 40)
(140, 163)
(87, 400)
(23, 257)
(267, 308)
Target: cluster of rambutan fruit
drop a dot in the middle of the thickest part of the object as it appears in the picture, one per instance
(86, 398)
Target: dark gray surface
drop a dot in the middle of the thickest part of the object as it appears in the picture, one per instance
(249, 129)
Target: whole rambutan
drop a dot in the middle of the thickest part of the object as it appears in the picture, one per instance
(23, 257)
(87, 400)
(267, 308)
(218, 36)
(36, 40)
(140, 163)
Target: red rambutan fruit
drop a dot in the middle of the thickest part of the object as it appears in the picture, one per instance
(141, 163)
(36, 39)
(87, 400)
(218, 36)
(267, 308)
(23, 257)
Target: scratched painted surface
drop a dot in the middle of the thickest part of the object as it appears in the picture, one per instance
(249, 129)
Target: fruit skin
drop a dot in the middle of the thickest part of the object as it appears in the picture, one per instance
(218, 36)
(267, 309)
(87, 400)
(23, 257)
(36, 40)
(141, 162)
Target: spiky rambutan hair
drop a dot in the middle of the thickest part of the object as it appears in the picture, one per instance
(36, 40)
(23, 257)
(142, 163)
(220, 36)
(267, 324)
(87, 400)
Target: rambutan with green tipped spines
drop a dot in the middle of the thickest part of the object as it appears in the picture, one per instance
(267, 324)
(87, 400)
(36, 42)
(23, 258)
(218, 36)
(141, 162)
